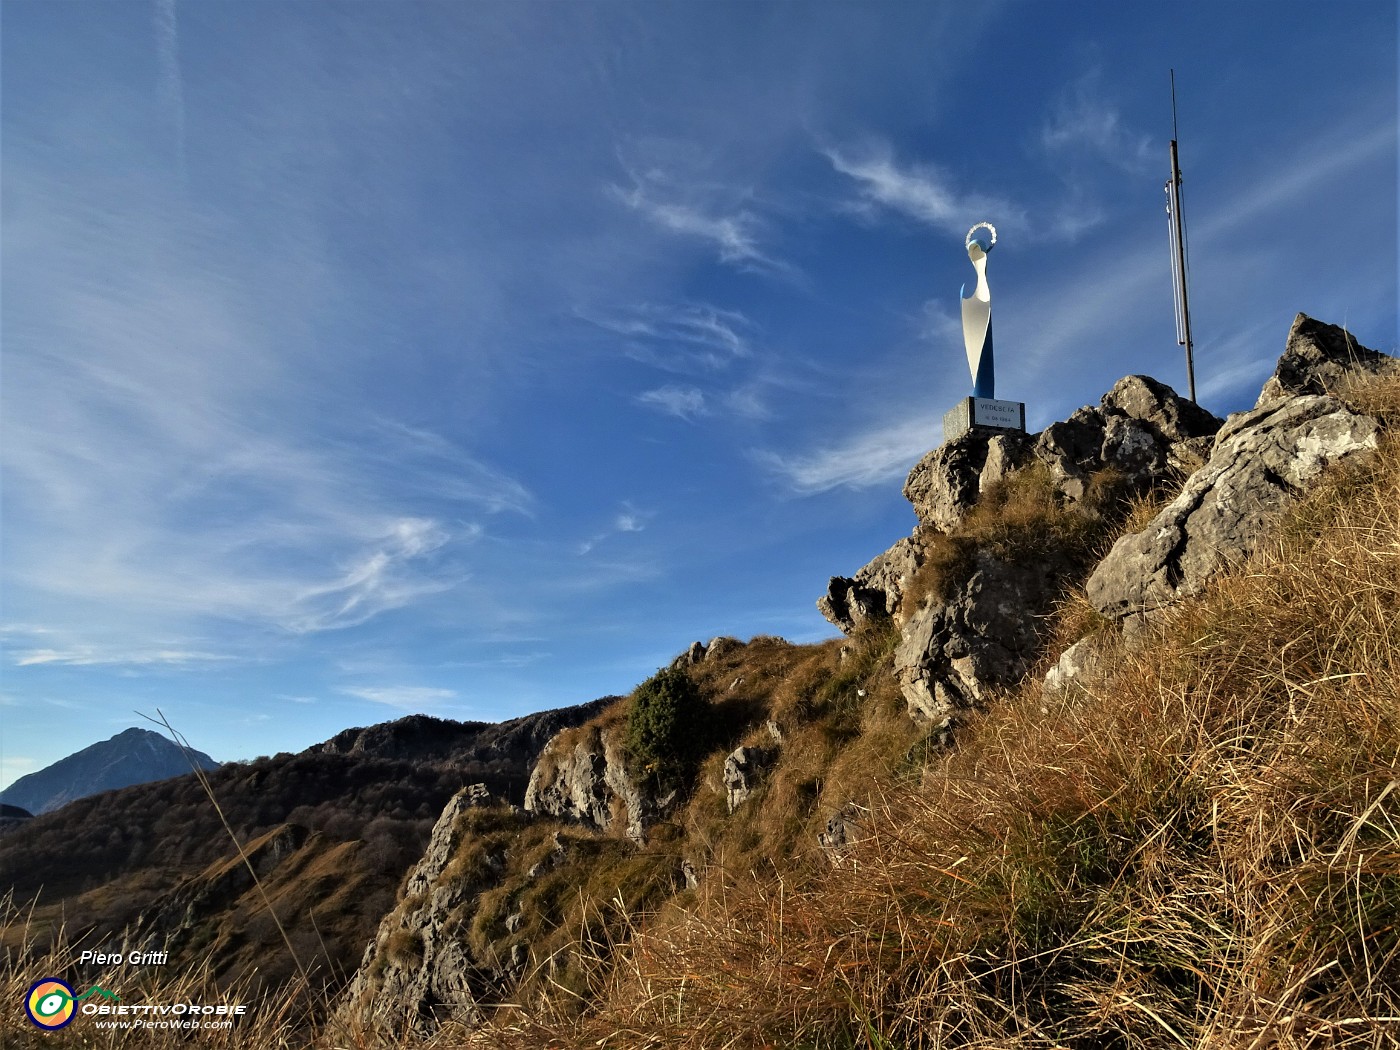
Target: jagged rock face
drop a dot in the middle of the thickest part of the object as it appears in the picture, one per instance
(1262, 460)
(876, 590)
(1135, 429)
(986, 636)
(744, 769)
(587, 781)
(1141, 428)
(944, 485)
(1006, 454)
(397, 991)
(572, 783)
(1316, 357)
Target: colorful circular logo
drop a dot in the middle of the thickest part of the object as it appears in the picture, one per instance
(49, 1003)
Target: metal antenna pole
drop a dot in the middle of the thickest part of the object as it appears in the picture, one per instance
(1177, 235)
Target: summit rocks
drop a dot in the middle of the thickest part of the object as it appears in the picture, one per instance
(1234, 479)
(1260, 462)
(986, 634)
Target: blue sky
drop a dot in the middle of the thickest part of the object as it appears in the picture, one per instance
(363, 359)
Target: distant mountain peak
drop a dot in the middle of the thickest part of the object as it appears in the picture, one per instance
(133, 756)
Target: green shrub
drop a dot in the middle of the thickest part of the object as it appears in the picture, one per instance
(667, 729)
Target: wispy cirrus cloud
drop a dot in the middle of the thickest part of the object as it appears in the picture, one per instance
(173, 461)
(92, 656)
(1084, 124)
(923, 192)
(686, 338)
(866, 459)
(686, 402)
(172, 83)
(407, 697)
(705, 213)
(628, 519)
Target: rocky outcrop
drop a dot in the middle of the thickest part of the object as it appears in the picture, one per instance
(984, 633)
(1317, 358)
(417, 973)
(844, 829)
(874, 591)
(583, 777)
(1141, 430)
(945, 484)
(1134, 430)
(1079, 659)
(744, 770)
(1261, 461)
(985, 637)
(699, 651)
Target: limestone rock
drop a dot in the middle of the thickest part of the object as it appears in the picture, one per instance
(944, 485)
(744, 768)
(1262, 459)
(719, 647)
(583, 777)
(877, 588)
(1136, 429)
(1006, 454)
(1079, 659)
(986, 636)
(571, 782)
(843, 830)
(417, 974)
(445, 838)
(693, 655)
(1316, 357)
(1165, 412)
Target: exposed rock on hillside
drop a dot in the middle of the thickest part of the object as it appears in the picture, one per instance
(418, 966)
(1141, 430)
(987, 636)
(699, 651)
(744, 769)
(985, 633)
(1261, 461)
(583, 777)
(1317, 357)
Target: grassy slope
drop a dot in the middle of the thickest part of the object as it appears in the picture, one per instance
(1198, 847)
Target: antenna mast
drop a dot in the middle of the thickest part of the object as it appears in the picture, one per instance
(1176, 235)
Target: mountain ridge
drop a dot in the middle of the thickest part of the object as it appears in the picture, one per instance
(133, 756)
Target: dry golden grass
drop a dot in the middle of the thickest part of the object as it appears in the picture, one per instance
(280, 1021)
(1199, 847)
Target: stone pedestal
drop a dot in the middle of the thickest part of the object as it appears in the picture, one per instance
(983, 413)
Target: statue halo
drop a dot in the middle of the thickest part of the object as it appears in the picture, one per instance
(981, 225)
